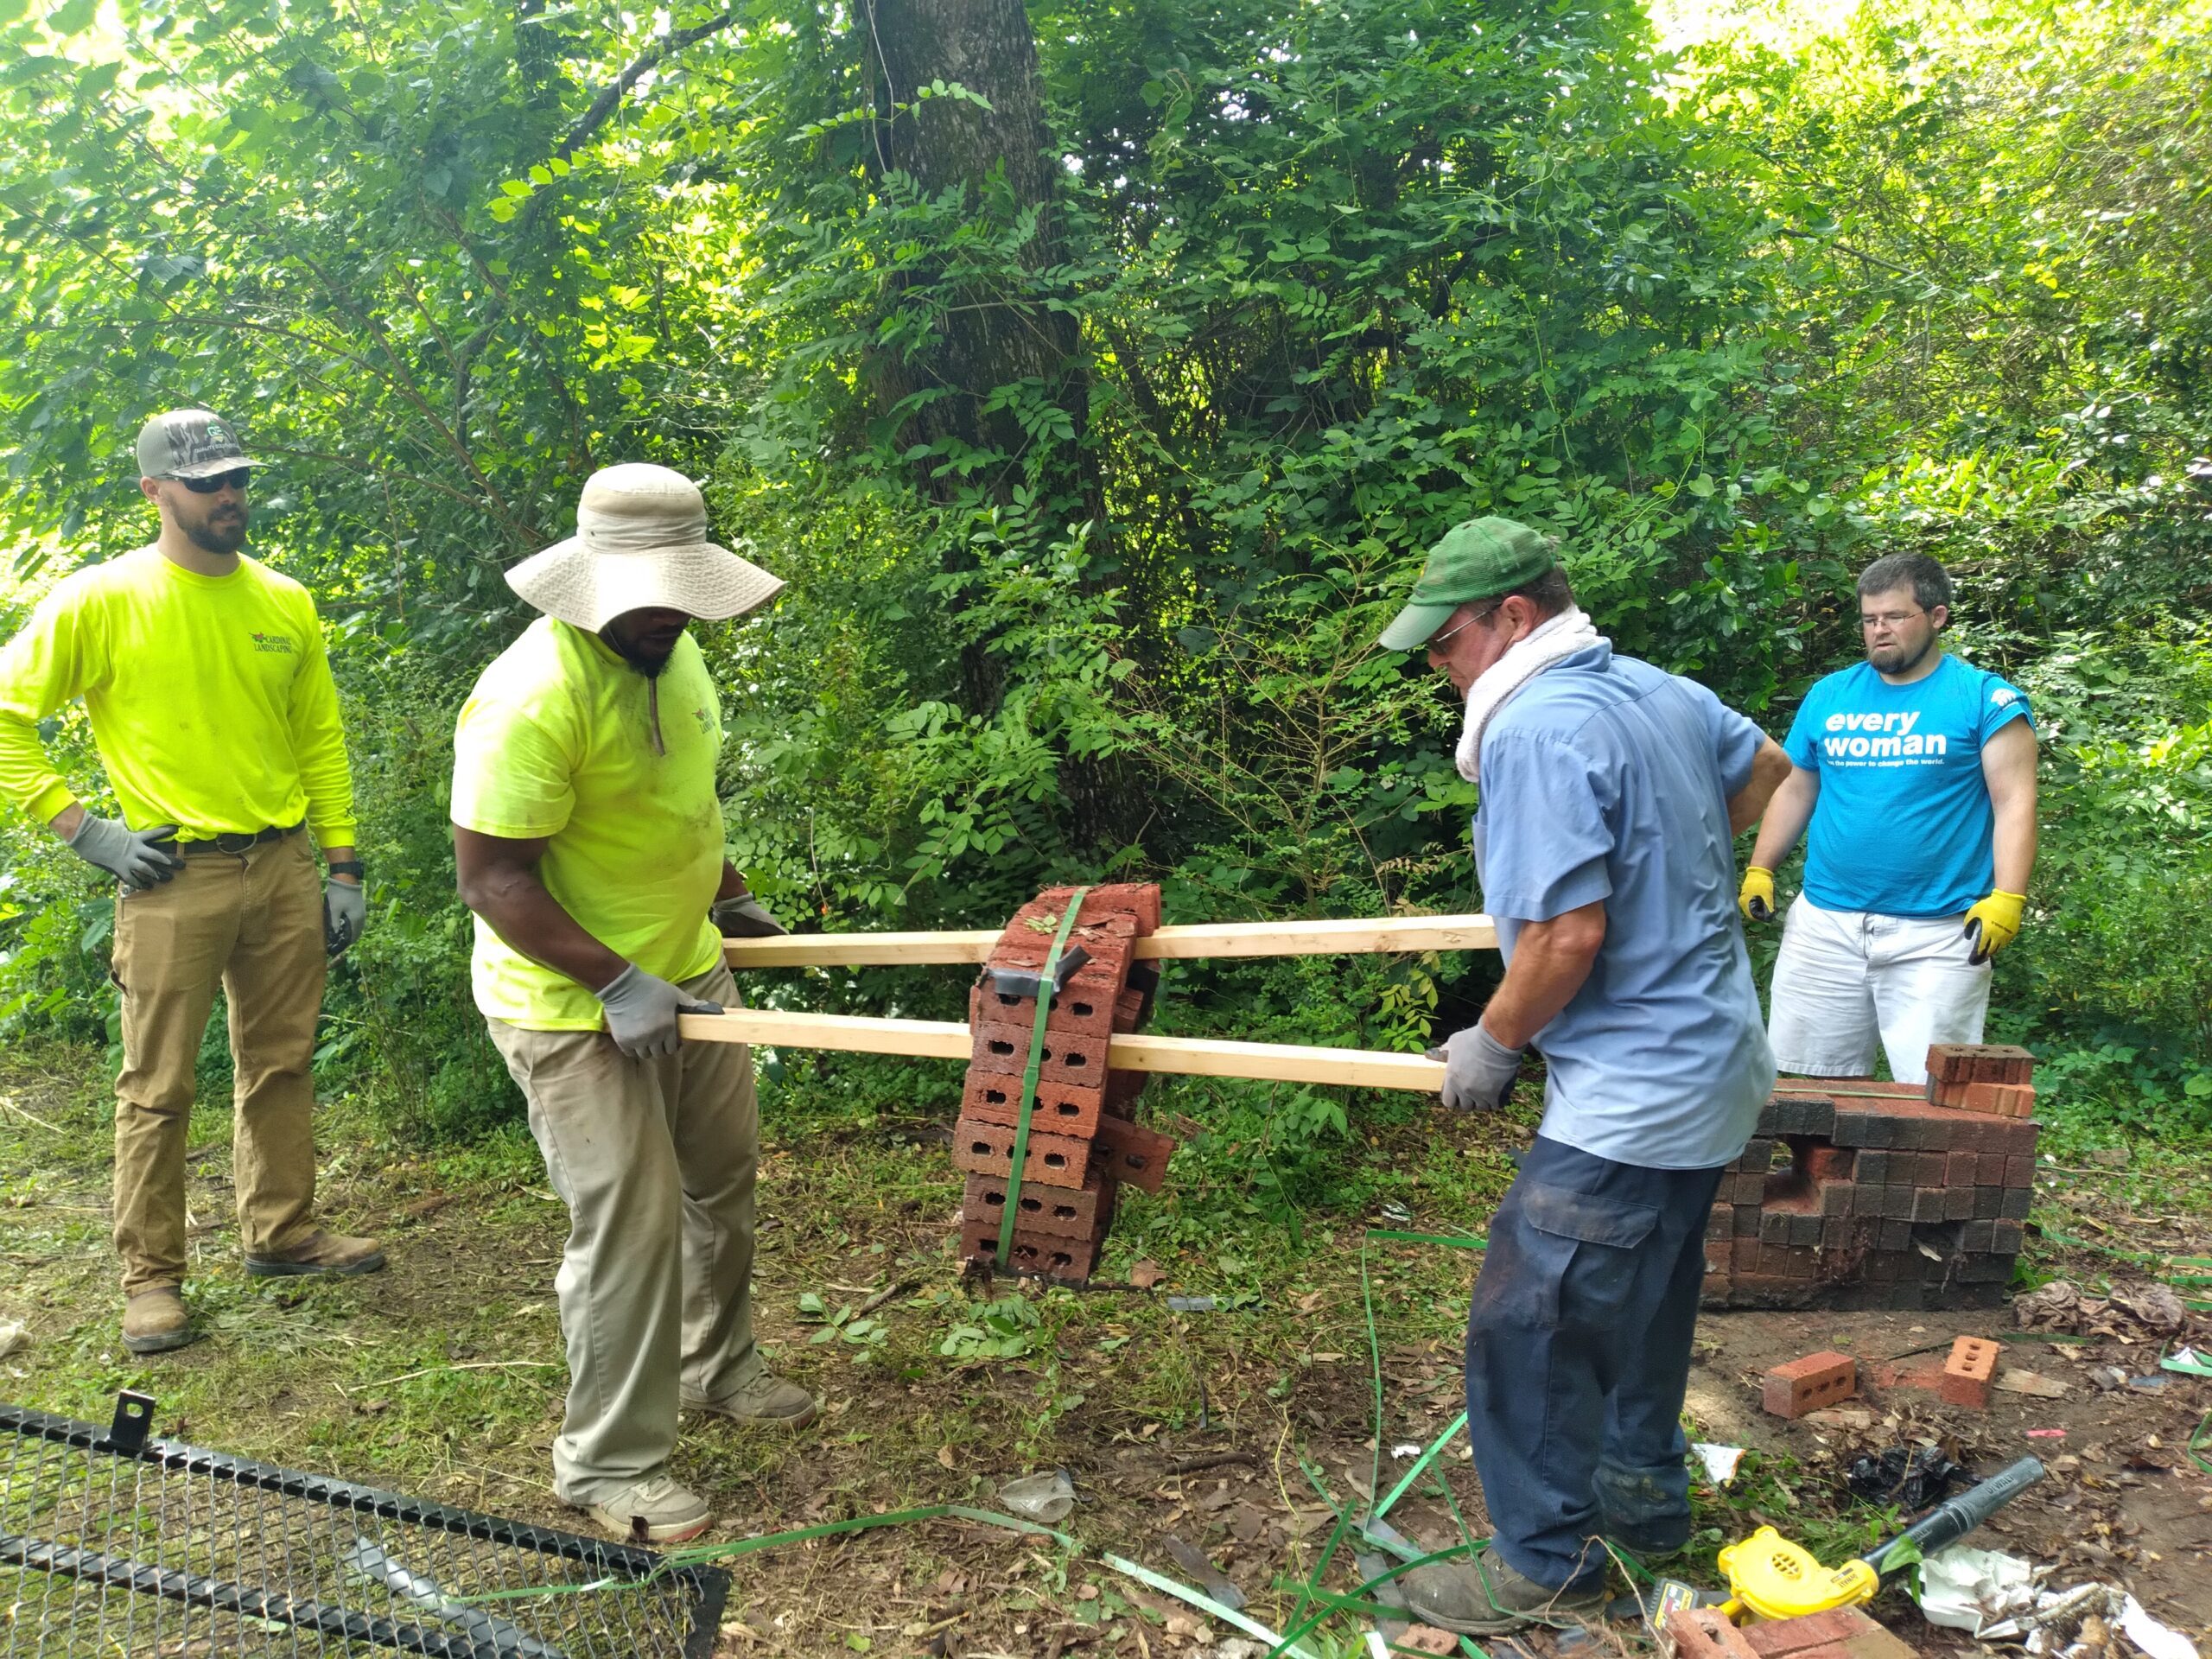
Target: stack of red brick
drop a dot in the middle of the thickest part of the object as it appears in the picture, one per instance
(1865, 1193)
(1079, 1150)
(1982, 1078)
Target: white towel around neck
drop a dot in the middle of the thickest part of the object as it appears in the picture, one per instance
(1555, 640)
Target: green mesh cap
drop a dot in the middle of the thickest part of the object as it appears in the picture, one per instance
(1480, 559)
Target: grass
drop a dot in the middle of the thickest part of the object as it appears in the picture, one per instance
(442, 1378)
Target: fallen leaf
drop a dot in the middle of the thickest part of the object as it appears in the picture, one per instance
(1324, 1359)
(944, 1456)
(1842, 1417)
(1145, 1274)
(1310, 1300)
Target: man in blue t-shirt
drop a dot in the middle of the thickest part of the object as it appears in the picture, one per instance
(1611, 794)
(1917, 774)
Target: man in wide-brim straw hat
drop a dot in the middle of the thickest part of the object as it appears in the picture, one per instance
(588, 838)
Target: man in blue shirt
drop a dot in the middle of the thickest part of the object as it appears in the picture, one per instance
(1611, 794)
(1917, 775)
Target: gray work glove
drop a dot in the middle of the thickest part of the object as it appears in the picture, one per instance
(641, 1012)
(741, 917)
(1479, 1070)
(345, 914)
(137, 858)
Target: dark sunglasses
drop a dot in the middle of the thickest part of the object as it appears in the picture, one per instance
(235, 479)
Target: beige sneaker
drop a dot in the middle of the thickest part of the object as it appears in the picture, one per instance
(330, 1253)
(766, 1398)
(654, 1511)
(154, 1321)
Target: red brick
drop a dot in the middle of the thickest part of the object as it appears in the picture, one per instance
(1702, 1633)
(2019, 1170)
(1005, 1048)
(1967, 1373)
(1810, 1383)
(1058, 1256)
(1990, 1169)
(985, 1148)
(1078, 1011)
(1132, 1153)
(1744, 1255)
(1983, 1097)
(1062, 1212)
(1828, 1163)
(1777, 1638)
(2016, 1100)
(1961, 1168)
(996, 1097)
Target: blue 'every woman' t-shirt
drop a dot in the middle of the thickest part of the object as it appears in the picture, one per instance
(1904, 825)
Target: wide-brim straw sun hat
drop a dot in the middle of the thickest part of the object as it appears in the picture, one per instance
(640, 543)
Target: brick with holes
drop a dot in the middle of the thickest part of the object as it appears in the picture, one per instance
(1062, 1212)
(1968, 1371)
(1005, 1049)
(1132, 1153)
(982, 1148)
(1807, 1384)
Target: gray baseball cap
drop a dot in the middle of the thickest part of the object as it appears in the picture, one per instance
(189, 443)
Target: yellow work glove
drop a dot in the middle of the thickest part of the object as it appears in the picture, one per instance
(1756, 897)
(1994, 923)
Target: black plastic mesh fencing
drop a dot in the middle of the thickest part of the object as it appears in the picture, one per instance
(112, 1543)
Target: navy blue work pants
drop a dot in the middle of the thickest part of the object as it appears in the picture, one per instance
(1578, 1355)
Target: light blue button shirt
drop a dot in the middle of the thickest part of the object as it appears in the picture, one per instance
(1607, 778)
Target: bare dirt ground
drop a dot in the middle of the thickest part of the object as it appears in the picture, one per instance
(442, 1377)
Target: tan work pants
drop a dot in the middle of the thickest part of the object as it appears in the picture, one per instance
(657, 1160)
(252, 923)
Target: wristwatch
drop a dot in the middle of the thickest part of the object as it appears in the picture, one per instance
(352, 867)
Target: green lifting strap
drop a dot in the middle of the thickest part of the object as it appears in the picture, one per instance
(1029, 1077)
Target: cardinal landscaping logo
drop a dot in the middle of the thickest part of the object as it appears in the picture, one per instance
(281, 643)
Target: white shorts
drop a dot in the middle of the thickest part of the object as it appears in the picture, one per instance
(1845, 977)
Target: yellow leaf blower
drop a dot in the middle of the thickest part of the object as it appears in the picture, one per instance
(1772, 1578)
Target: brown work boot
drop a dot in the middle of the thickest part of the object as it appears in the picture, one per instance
(1485, 1596)
(766, 1398)
(154, 1321)
(330, 1253)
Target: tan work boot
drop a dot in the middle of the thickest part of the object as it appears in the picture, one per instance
(654, 1511)
(330, 1253)
(154, 1321)
(766, 1398)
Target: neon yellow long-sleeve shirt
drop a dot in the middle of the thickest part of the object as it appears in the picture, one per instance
(211, 699)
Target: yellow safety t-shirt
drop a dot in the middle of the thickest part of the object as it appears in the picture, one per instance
(211, 699)
(556, 741)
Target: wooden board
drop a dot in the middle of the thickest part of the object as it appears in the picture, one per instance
(1358, 937)
(945, 1040)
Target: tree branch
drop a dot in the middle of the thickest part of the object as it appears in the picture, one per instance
(652, 57)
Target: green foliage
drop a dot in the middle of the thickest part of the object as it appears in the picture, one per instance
(1091, 496)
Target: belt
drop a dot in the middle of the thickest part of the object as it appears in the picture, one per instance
(239, 841)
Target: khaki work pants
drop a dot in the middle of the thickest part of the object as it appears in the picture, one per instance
(252, 923)
(657, 1160)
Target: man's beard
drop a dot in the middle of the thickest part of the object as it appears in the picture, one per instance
(212, 537)
(1905, 665)
(647, 663)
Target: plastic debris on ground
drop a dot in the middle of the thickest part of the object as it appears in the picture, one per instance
(1997, 1597)
(1912, 1478)
(1720, 1461)
(2187, 1361)
(1040, 1497)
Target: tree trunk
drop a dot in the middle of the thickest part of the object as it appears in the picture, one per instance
(991, 337)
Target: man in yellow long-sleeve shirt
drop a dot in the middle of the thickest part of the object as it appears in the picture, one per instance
(214, 713)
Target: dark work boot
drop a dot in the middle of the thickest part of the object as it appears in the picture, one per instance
(1485, 1596)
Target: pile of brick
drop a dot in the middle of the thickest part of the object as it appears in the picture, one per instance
(1857, 1194)
(1082, 1143)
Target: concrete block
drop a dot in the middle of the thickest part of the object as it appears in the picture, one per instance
(1807, 1384)
(2016, 1204)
